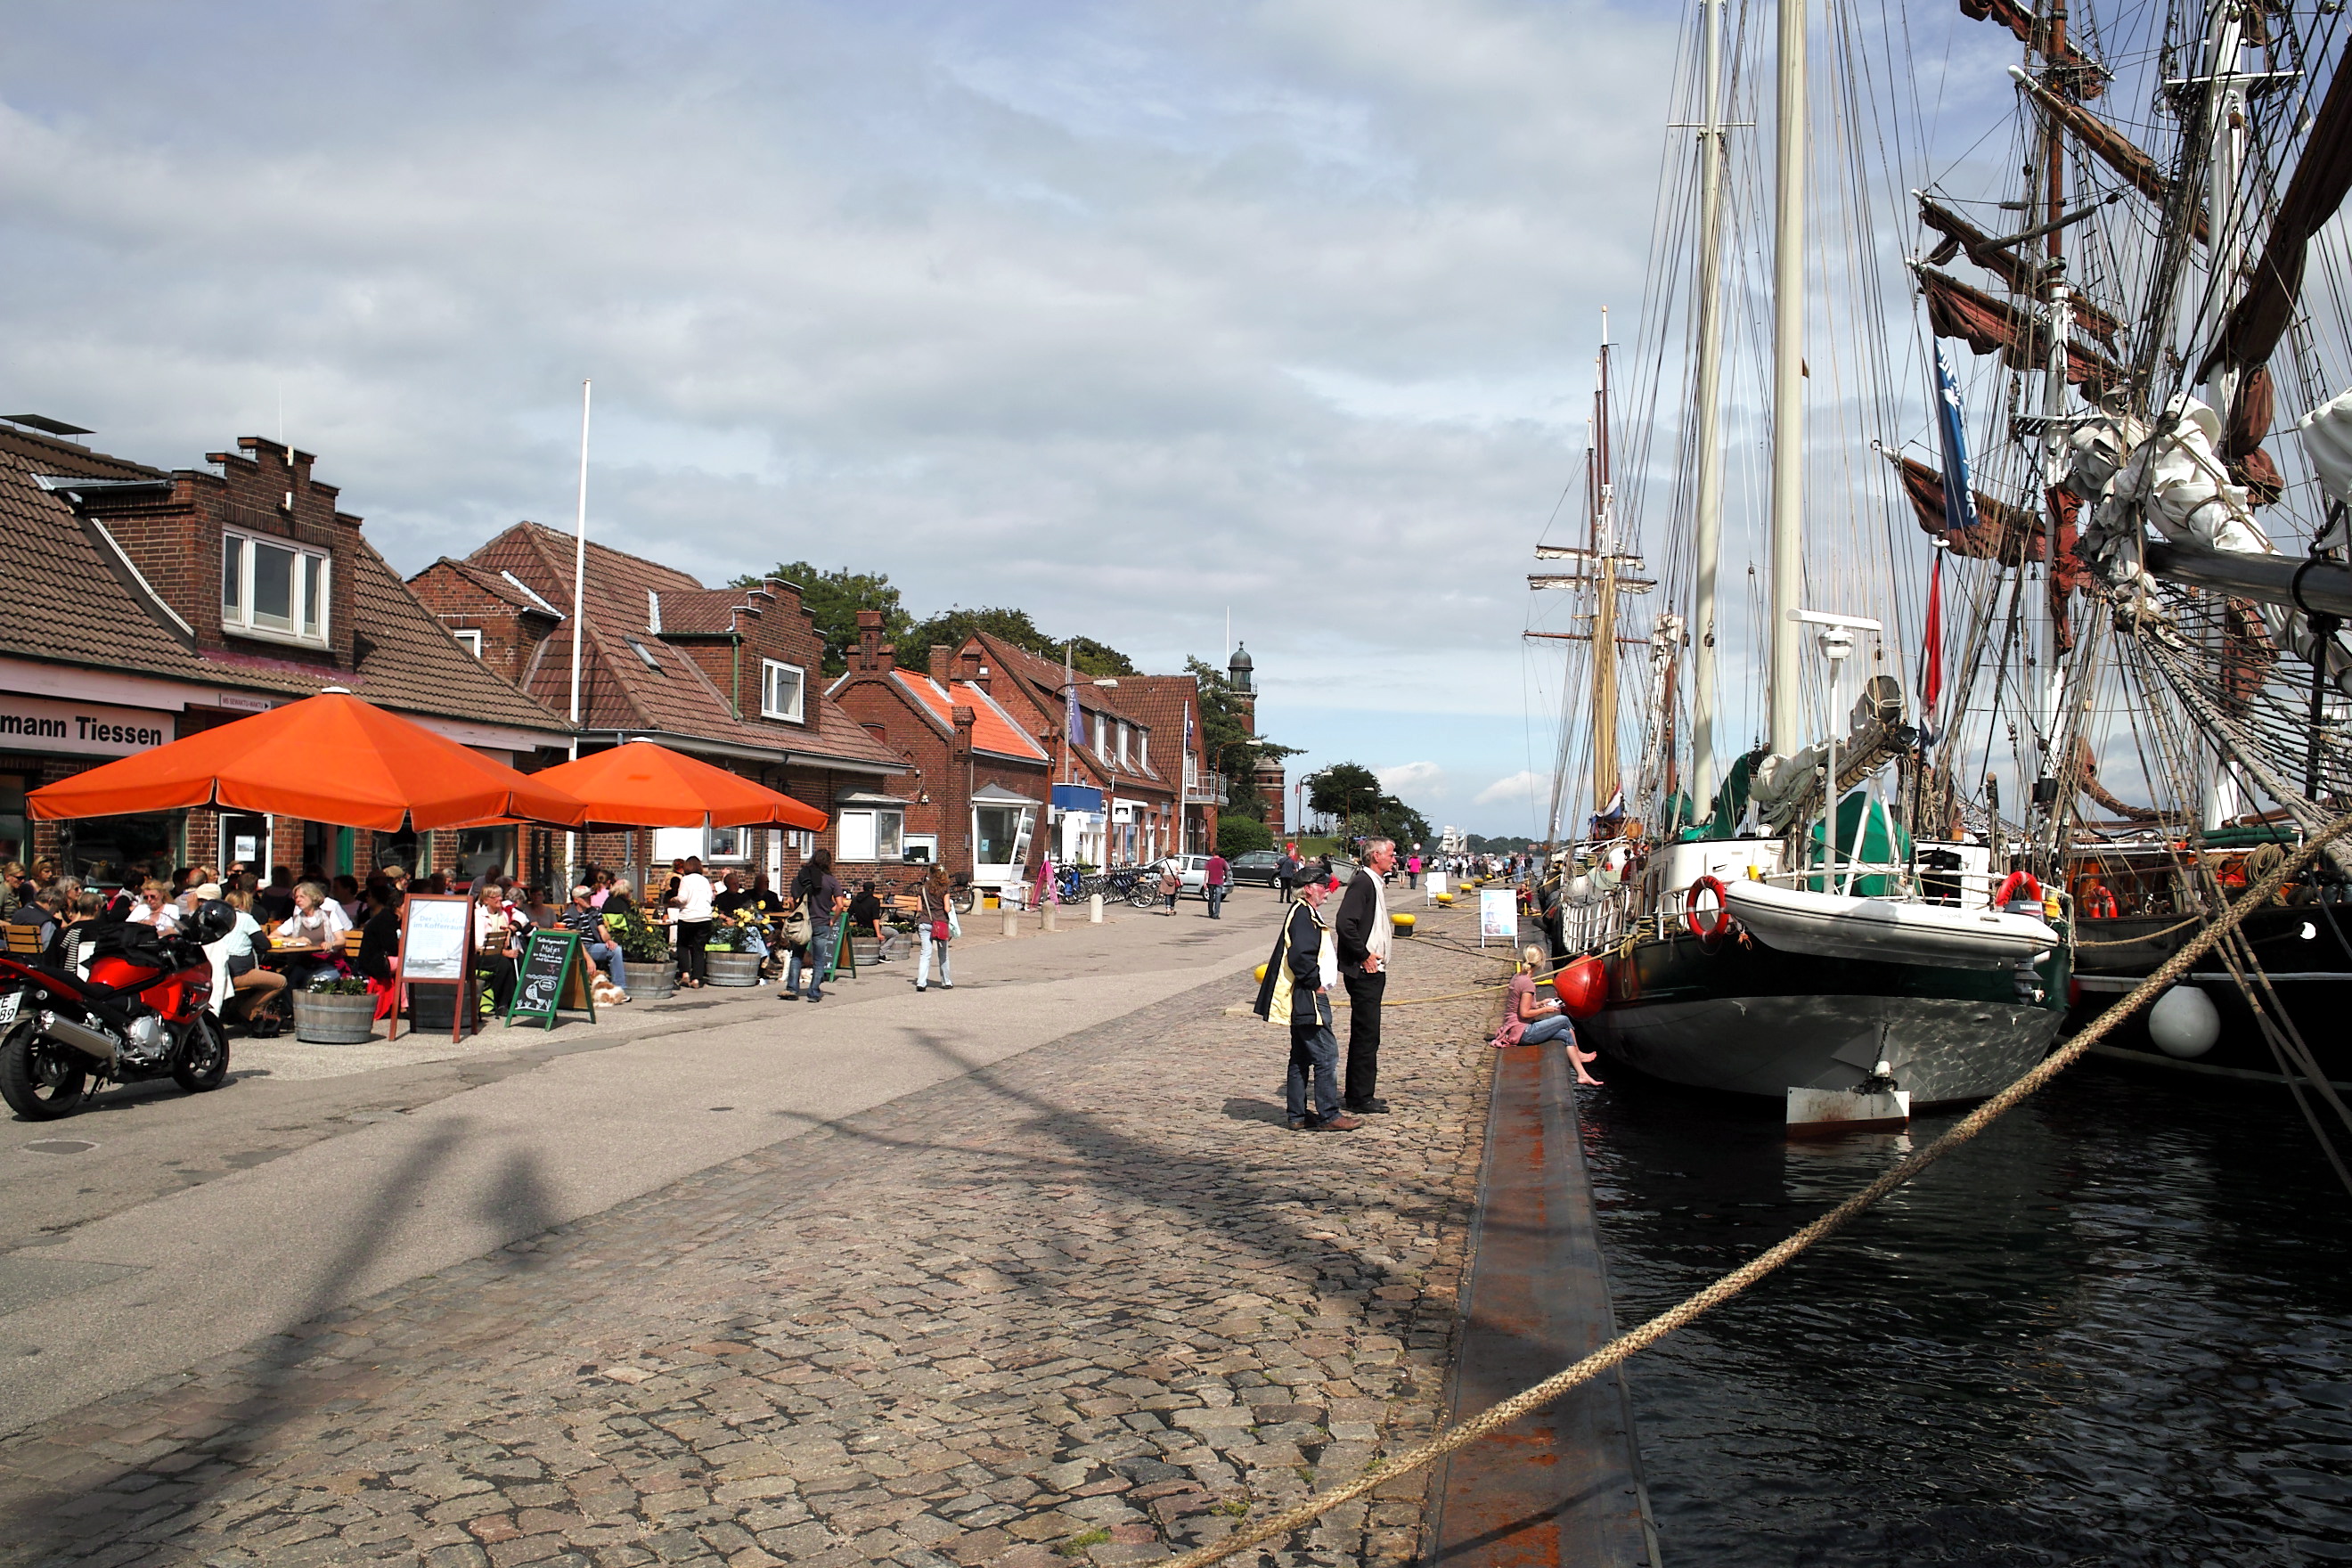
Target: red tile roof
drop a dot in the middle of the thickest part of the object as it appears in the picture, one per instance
(995, 731)
(1042, 680)
(620, 690)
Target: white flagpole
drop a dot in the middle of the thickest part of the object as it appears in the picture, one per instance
(579, 576)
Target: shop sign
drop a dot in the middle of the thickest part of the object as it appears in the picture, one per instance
(83, 729)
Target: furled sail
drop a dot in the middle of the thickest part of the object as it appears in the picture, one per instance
(2009, 534)
(2110, 146)
(2087, 80)
(1963, 237)
(1995, 326)
(2321, 179)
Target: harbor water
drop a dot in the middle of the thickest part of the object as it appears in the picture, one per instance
(2112, 1330)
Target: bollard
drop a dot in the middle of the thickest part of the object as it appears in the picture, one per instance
(1047, 911)
(1012, 919)
(1094, 908)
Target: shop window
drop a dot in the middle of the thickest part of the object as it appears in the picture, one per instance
(922, 848)
(726, 844)
(783, 688)
(15, 829)
(485, 852)
(402, 850)
(1000, 834)
(872, 835)
(106, 850)
(274, 590)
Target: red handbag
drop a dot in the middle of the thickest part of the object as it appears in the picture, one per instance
(939, 931)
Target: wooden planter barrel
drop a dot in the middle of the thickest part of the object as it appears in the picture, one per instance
(653, 979)
(324, 1019)
(731, 968)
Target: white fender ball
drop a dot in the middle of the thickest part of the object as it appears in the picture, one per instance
(2184, 1022)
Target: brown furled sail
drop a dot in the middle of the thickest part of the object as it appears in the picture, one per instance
(2004, 532)
(1963, 237)
(2114, 149)
(2321, 179)
(1995, 326)
(2086, 79)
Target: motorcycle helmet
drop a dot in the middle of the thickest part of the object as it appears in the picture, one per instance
(213, 920)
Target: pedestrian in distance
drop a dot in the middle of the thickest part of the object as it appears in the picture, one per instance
(1300, 975)
(819, 894)
(1217, 881)
(1286, 875)
(1363, 937)
(1412, 870)
(939, 926)
(1171, 882)
(690, 902)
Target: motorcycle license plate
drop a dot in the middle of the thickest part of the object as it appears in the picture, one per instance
(9, 1005)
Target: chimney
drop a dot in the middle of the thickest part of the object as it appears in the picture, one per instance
(942, 664)
(869, 640)
(968, 664)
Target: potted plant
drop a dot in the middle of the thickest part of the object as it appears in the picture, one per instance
(653, 972)
(337, 1013)
(728, 958)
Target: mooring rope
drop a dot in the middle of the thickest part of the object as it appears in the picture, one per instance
(1626, 1345)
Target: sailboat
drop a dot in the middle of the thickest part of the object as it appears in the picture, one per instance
(1795, 941)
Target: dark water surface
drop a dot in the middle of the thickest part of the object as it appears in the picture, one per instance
(2113, 1330)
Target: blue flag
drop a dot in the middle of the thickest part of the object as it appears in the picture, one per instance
(1959, 501)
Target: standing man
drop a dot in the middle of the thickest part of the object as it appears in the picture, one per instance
(1286, 873)
(1216, 877)
(1364, 938)
(1297, 992)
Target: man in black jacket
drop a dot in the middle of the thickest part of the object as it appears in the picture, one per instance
(1300, 955)
(1364, 934)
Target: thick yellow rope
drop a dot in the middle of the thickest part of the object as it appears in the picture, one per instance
(1624, 1346)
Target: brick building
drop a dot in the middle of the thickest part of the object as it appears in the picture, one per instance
(1168, 707)
(978, 778)
(725, 674)
(148, 605)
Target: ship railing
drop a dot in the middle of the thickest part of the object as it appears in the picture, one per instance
(1901, 880)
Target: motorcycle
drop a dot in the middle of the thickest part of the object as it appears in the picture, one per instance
(144, 1012)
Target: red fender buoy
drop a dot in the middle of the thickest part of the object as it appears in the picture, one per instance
(1691, 913)
(2009, 888)
(1582, 988)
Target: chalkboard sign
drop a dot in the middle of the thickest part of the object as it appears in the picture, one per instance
(437, 935)
(551, 978)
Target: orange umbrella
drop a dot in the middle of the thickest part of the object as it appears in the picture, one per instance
(641, 784)
(328, 758)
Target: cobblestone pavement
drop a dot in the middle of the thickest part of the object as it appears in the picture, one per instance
(1092, 1301)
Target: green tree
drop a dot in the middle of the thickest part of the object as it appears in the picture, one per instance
(833, 598)
(1227, 742)
(1347, 791)
(951, 627)
(1239, 835)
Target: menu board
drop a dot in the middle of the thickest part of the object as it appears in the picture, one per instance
(436, 933)
(551, 977)
(1499, 914)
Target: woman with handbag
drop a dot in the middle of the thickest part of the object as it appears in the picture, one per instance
(938, 925)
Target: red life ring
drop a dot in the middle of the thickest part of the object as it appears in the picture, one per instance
(2009, 888)
(1722, 908)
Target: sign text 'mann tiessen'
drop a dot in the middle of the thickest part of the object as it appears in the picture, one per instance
(85, 729)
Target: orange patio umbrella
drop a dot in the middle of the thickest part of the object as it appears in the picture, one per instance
(329, 758)
(641, 784)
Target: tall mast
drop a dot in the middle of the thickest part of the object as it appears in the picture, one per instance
(1709, 533)
(1607, 777)
(2048, 679)
(2225, 120)
(1788, 555)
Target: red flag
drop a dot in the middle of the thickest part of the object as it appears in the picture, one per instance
(1931, 680)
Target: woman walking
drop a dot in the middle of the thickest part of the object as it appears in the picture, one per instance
(691, 902)
(818, 893)
(937, 924)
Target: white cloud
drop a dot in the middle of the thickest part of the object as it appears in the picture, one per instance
(1520, 789)
(1413, 783)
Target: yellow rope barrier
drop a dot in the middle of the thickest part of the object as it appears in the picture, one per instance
(1626, 1345)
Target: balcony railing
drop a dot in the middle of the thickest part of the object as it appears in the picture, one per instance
(1205, 789)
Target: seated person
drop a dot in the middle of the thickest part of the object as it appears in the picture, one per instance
(495, 948)
(313, 924)
(156, 909)
(734, 904)
(345, 892)
(379, 956)
(602, 949)
(45, 911)
(865, 914)
(275, 901)
(256, 987)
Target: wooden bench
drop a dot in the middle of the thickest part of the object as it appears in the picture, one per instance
(24, 941)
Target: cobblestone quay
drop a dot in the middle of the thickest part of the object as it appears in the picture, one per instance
(1091, 1302)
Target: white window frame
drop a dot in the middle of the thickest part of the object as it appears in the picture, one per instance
(769, 668)
(1126, 735)
(866, 823)
(470, 639)
(310, 593)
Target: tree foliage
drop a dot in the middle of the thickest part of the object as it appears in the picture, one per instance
(1351, 792)
(833, 600)
(1238, 835)
(953, 627)
(1227, 741)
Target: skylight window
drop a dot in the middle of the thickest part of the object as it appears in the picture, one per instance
(644, 653)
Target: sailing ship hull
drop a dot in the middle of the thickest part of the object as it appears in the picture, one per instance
(1750, 1019)
(2311, 973)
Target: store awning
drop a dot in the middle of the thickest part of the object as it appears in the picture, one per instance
(331, 758)
(997, 795)
(865, 799)
(641, 784)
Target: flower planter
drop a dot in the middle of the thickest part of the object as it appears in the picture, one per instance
(327, 1020)
(654, 982)
(731, 968)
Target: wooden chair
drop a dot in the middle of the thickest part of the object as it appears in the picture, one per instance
(351, 943)
(24, 941)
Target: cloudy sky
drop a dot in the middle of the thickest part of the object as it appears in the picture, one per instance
(1130, 314)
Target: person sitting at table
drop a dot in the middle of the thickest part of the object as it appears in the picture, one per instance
(601, 948)
(156, 907)
(345, 891)
(81, 915)
(620, 898)
(734, 904)
(44, 911)
(378, 961)
(312, 928)
(257, 988)
(865, 914)
(495, 950)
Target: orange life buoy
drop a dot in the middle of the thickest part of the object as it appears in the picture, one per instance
(1722, 908)
(2009, 890)
(1582, 988)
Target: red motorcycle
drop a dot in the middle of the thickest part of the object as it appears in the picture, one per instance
(143, 1012)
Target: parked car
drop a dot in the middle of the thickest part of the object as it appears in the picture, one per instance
(1256, 866)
